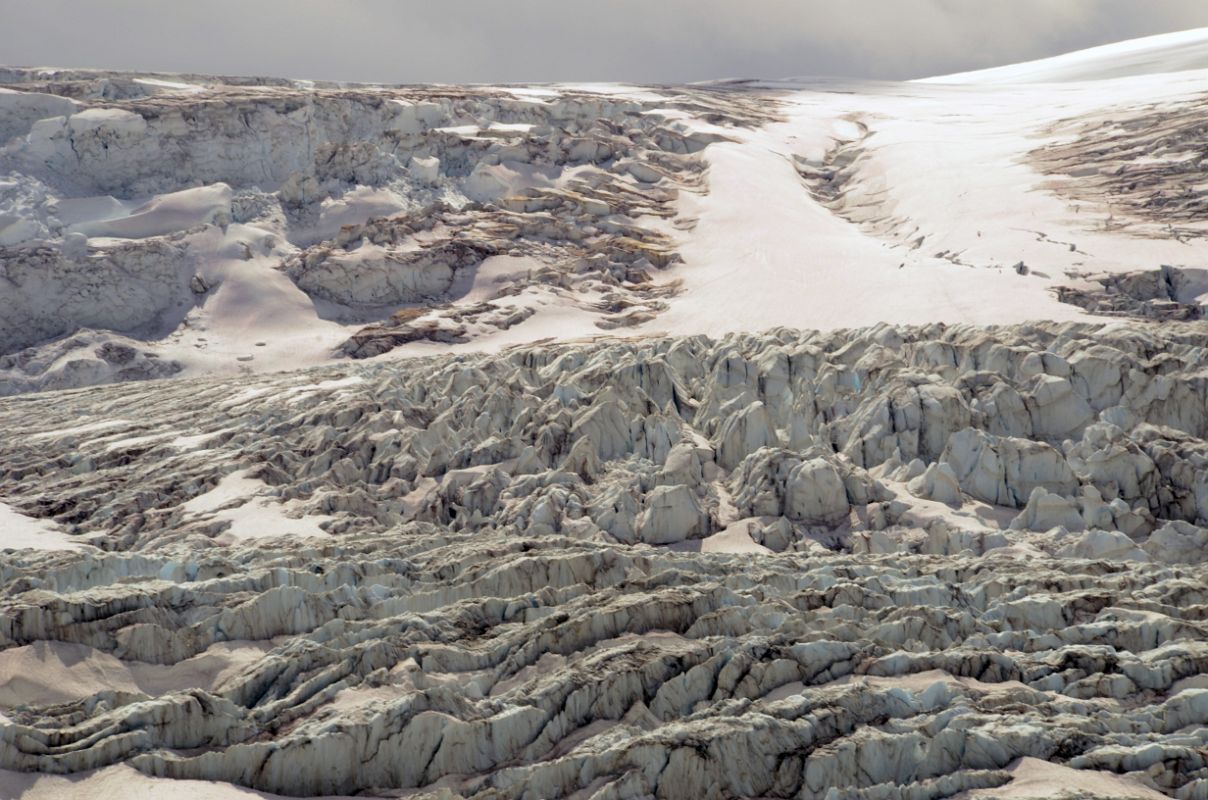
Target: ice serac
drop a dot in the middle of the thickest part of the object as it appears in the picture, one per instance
(238, 225)
(377, 216)
(606, 441)
(625, 569)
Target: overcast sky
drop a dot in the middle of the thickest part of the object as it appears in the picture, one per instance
(456, 41)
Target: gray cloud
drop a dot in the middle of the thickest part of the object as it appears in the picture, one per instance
(456, 41)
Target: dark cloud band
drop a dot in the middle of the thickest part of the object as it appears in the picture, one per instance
(571, 40)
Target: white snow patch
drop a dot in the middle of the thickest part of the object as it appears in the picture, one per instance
(19, 532)
(46, 672)
(160, 215)
(1033, 778)
(252, 511)
(119, 782)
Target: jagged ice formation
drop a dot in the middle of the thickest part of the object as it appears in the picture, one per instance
(895, 560)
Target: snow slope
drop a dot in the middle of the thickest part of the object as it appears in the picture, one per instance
(260, 226)
(1164, 53)
(940, 207)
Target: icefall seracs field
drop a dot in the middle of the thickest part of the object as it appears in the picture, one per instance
(810, 439)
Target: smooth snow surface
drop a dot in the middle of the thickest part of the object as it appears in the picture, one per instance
(164, 214)
(18, 532)
(57, 672)
(1032, 778)
(246, 507)
(119, 782)
(1167, 52)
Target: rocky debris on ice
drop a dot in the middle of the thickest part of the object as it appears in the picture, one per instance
(86, 358)
(1139, 166)
(1166, 294)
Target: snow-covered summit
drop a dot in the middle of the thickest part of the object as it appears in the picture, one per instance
(1167, 52)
